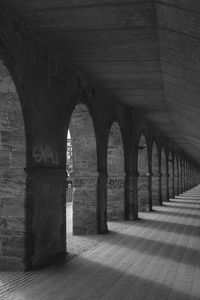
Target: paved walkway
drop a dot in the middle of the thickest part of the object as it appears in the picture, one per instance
(157, 257)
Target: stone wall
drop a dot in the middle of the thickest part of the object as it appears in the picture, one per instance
(171, 176)
(32, 206)
(155, 176)
(84, 171)
(12, 174)
(143, 178)
(115, 165)
(164, 176)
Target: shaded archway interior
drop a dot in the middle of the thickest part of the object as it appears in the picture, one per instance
(84, 175)
(115, 167)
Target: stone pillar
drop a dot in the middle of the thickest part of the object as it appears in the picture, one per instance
(115, 194)
(102, 202)
(160, 189)
(164, 187)
(46, 224)
(143, 193)
(150, 175)
(130, 199)
(170, 178)
(85, 203)
(176, 181)
(171, 185)
(155, 188)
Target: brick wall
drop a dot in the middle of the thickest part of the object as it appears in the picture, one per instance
(12, 175)
(84, 171)
(156, 175)
(115, 184)
(143, 179)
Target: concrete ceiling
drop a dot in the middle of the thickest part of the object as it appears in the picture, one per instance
(145, 53)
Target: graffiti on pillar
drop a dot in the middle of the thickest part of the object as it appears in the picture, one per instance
(115, 183)
(45, 153)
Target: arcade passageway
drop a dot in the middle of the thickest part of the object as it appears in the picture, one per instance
(156, 257)
(99, 149)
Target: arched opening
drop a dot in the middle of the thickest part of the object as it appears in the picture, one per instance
(155, 176)
(82, 173)
(164, 186)
(143, 178)
(115, 167)
(12, 175)
(171, 176)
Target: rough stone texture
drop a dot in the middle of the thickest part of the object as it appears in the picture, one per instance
(155, 177)
(164, 176)
(115, 185)
(176, 177)
(12, 175)
(143, 178)
(84, 171)
(49, 89)
(171, 176)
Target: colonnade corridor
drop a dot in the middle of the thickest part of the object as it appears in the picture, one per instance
(156, 257)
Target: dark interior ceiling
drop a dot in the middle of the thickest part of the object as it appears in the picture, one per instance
(144, 52)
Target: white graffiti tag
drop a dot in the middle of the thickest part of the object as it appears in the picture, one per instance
(44, 153)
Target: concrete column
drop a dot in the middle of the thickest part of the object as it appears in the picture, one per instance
(143, 193)
(164, 187)
(155, 178)
(160, 189)
(171, 185)
(130, 199)
(85, 203)
(115, 192)
(102, 202)
(143, 179)
(155, 188)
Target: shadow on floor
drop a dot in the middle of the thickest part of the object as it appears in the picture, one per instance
(86, 279)
(177, 214)
(169, 251)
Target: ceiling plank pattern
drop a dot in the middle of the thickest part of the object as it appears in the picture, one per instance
(145, 53)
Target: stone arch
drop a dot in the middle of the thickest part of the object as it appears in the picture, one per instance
(164, 188)
(116, 175)
(13, 227)
(171, 175)
(155, 175)
(143, 175)
(84, 174)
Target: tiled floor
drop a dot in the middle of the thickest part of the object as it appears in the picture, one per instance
(156, 257)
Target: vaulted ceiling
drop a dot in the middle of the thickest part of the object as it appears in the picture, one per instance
(145, 53)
